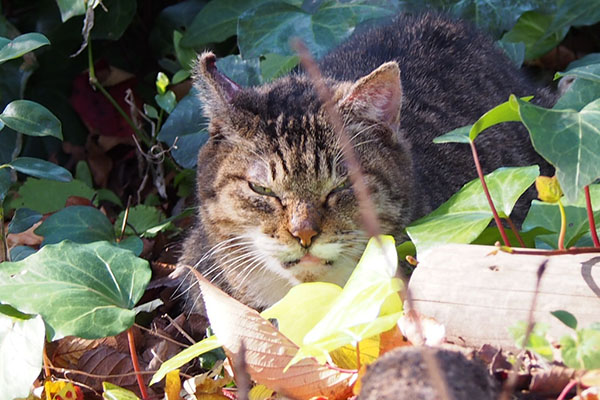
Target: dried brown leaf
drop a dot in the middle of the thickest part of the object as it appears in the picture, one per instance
(268, 351)
(71, 348)
(106, 361)
(550, 381)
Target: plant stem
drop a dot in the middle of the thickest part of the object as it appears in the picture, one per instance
(487, 194)
(46, 362)
(590, 213)
(515, 231)
(358, 356)
(563, 226)
(97, 85)
(567, 389)
(136, 364)
(535, 252)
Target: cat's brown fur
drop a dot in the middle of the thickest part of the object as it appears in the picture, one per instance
(274, 207)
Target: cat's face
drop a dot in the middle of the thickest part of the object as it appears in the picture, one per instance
(276, 202)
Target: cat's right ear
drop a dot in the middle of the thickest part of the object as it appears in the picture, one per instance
(216, 90)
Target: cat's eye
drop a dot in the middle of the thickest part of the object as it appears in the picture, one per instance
(265, 191)
(342, 186)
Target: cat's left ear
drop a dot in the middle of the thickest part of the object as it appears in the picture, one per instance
(377, 96)
(216, 89)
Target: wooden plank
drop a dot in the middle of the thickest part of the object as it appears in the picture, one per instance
(478, 295)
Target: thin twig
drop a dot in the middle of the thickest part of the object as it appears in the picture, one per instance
(487, 194)
(590, 214)
(511, 382)
(567, 389)
(162, 336)
(242, 377)
(180, 329)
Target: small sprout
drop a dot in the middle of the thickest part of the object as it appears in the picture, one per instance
(548, 188)
(162, 81)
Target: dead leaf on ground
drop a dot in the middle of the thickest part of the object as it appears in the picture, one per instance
(106, 361)
(268, 352)
(551, 381)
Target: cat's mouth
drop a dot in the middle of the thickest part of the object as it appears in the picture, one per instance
(307, 260)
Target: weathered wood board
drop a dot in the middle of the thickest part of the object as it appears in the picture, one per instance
(478, 296)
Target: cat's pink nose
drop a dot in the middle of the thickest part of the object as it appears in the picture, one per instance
(305, 235)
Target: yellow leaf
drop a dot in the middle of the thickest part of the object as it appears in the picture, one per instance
(260, 392)
(548, 188)
(172, 385)
(345, 356)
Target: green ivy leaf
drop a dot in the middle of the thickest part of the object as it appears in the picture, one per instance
(569, 140)
(166, 101)
(531, 29)
(188, 125)
(505, 112)
(458, 135)
(243, 72)
(181, 76)
(267, 28)
(580, 94)
(31, 119)
(566, 318)
(185, 55)
(21, 347)
(19, 253)
(55, 194)
(537, 339)
(275, 65)
(465, 215)
(23, 219)
(112, 24)
(22, 44)
(41, 169)
(584, 352)
(150, 111)
(70, 8)
(514, 51)
(589, 71)
(80, 224)
(85, 290)
(216, 22)
(142, 218)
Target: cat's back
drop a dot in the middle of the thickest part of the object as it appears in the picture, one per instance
(451, 74)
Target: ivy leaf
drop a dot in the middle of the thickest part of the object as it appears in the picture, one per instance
(275, 65)
(465, 215)
(166, 101)
(267, 28)
(55, 194)
(531, 29)
(19, 253)
(566, 318)
(70, 8)
(514, 51)
(41, 169)
(162, 81)
(537, 338)
(493, 16)
(22, 44)
(80, 224)
(589, 71)
(141, 221)
(569, 140)
(580, 94)
(31, 119)
(245, 72)
(85, 290)
(23, 219)
(112, 24)
(188, 125)
(216, 22)
(21, 347)
(583, 352)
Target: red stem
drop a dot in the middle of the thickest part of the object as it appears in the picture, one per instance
(515, 231)
(534, 252)
(590, 213)
(136, 364)
(567, 389)
(487, 195)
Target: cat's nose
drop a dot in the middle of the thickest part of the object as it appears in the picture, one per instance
(305, 236)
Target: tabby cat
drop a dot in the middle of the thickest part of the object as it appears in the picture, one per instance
(275, 205)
